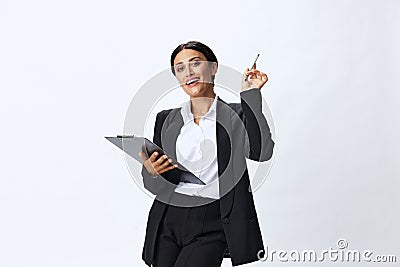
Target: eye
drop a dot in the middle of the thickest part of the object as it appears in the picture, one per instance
(180, 68)
(196, 63)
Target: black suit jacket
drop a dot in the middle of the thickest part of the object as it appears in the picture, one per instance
(242, 132)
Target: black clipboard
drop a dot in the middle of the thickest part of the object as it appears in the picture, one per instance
(132, 145)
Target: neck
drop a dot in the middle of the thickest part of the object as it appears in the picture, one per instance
(201, 105)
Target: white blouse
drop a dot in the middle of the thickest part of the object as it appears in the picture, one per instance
(196, 149)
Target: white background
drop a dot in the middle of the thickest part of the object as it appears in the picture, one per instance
(68, 71)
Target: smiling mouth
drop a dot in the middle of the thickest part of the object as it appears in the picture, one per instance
(193, 82)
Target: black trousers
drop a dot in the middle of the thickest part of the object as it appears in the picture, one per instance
(190, 236)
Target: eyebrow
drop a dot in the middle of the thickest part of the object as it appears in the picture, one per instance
(189, 60)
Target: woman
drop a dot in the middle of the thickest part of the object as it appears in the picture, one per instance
(197, 225)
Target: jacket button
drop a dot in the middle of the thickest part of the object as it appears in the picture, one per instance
(225, 220)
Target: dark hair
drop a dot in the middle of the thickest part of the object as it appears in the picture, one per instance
(195, 45)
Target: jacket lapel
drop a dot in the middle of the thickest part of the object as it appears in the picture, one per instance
(170, 131)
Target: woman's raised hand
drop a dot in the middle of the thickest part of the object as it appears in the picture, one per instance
(157, 166)
(256, 79)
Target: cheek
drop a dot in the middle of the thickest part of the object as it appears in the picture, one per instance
(180, 78)
(204, 70)
(206, 73)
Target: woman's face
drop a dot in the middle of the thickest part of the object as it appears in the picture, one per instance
(194, 73)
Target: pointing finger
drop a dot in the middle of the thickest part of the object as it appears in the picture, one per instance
(252, 71)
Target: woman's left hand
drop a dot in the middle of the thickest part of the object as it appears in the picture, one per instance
(256, 79)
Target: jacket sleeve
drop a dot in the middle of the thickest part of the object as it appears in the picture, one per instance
(156, 185)
(258, 142)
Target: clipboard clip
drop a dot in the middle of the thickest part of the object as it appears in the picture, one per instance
(125, 136)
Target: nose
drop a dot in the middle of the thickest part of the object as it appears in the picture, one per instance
(188, 70)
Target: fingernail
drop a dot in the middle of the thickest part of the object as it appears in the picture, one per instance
(156, 153)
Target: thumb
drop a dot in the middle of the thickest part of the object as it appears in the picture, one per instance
(142, 156)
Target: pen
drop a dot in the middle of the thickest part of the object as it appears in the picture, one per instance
(252, 67)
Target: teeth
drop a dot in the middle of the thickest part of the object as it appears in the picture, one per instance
(192, 81)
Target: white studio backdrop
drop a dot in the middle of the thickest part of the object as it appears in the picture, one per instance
(69, 69)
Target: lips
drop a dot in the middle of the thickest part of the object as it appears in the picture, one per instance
(192, 81)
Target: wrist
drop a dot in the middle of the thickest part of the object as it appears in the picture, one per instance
(147, 173)
(250, 88)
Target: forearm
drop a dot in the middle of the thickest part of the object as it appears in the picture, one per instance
(260, 143)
